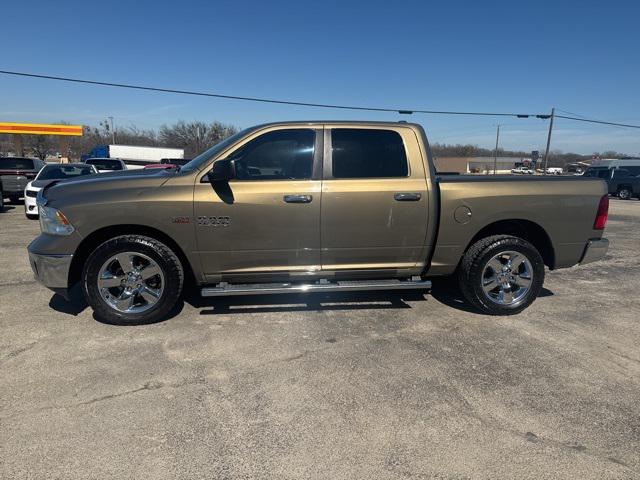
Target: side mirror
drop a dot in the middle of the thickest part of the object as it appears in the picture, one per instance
(222, 171)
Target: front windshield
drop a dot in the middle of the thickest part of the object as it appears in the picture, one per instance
(56, 172)
(198, 162)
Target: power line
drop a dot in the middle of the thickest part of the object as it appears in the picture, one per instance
(582, 118)
(575, 117)
(571, 113)
(269, 100)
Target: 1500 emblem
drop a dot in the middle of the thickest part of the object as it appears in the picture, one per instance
(214, 221)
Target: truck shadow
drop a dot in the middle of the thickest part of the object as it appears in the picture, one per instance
(446, 291)
(75, 306)
(335, 301)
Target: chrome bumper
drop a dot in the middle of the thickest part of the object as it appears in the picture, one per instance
(51, 270)
(595, 250)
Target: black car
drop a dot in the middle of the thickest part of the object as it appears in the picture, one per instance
(15, 173)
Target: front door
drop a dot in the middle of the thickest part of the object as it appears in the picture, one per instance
(266, 219)
(374, 200)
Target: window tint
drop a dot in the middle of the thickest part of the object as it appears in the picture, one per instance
(361, 153)
(17, 163)
(279, 155)
(621, 173)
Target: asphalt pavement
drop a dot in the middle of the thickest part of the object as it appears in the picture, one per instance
(374, 386)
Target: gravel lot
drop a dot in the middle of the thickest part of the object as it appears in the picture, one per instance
(335, 386)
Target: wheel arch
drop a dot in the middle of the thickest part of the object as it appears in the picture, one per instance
(525, 229)
(91, 241)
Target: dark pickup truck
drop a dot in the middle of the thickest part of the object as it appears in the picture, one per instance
(623, 184)
(15, 173)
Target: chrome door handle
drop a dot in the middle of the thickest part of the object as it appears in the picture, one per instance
(407, 197)
(298, 198)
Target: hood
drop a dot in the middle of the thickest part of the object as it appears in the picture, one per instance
(40, 183)
(90, 187)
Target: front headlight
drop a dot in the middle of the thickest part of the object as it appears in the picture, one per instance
(53, 221)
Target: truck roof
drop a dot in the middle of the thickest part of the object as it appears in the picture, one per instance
(339, 122)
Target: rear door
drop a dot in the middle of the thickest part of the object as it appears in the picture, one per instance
(267, 219)
(374, 199)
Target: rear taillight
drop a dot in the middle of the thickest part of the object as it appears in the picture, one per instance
(603, 213)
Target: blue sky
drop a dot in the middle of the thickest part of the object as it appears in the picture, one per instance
(579, 56)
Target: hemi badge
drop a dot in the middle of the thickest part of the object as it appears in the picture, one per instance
(180, 220)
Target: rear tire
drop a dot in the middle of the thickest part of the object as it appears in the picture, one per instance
(624, 193)
(501, 275)
(132, 280)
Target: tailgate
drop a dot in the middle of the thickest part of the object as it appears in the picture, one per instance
(14, 181)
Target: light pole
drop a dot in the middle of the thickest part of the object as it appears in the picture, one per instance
(546, 153)
(495, 153)
(113, 133)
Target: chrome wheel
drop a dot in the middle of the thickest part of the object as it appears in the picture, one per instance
(624, 194)
(130, 282)
(507, 278)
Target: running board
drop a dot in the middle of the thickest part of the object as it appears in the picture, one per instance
(228, 289)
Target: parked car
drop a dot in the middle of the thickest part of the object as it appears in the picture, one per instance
(15, 173)
(554, 171)
(105, 165)
(623, 184)
(51, 173)
(523, 170)
(306, 207)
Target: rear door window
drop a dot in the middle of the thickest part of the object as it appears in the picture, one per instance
(367, 153)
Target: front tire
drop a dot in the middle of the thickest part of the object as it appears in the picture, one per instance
(132, 280)
(501, 275)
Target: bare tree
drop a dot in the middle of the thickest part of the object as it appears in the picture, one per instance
(194, 137)
(40, 146)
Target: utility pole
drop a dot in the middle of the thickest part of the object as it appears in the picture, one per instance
(113, 133)
(495, 153)
(546, 152)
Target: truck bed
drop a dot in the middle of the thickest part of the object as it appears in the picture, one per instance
(562, 208)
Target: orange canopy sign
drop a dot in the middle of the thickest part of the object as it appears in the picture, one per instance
(41, 129)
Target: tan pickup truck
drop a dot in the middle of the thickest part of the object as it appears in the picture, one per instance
(311, 207)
